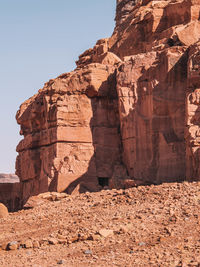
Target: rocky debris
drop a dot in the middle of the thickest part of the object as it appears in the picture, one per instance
(118, 120)
(3, 211)
(147, 226)
(36, 244)
(105, 232)
(88, 252)
(28, 244)
(12, 245)
(53, 196)
(61, 262)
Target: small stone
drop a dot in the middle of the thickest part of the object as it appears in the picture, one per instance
(13, 245)
(60, 262)
(63, 241)
(28, 243)
(83, 237)
(74, 239)
(126, 228)
(59, 236)
(3, 211)
(105, 233)
(53, 241)
(142, 244)
(93, 237)
(95, 257)
(36, 244)
(88, 252)
(4, 246)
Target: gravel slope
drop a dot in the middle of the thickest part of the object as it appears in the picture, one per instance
(144, 226)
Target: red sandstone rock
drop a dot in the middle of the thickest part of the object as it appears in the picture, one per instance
(127, 115)
(11, 195)
(151, 89)
(143, 26)
(10, 191)
(3, 211)
(71, 131)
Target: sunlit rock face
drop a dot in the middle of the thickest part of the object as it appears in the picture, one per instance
(143, 26)
(71, 132)
(151, 89)
(127, 115)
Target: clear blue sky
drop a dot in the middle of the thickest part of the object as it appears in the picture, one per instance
(41, 39)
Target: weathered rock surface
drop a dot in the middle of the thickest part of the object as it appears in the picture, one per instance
(146, 25)
(10, 191)
(127, 115)
(71, 131)
(151, 89)
(11, 195)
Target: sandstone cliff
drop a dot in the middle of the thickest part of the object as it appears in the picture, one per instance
(10, 191)
(127, 115)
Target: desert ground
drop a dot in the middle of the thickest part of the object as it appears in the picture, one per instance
(142, 226)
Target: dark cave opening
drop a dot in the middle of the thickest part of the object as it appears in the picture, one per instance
(103, 181)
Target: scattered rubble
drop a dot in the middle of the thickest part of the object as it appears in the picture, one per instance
(143, 226)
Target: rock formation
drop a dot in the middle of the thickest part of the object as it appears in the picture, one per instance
(127, 115)
(10, 191)
(3, 211)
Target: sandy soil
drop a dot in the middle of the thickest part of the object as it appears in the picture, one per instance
(144, 226)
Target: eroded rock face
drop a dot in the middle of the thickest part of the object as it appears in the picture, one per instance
(154, 25)
(72, 133)
(151, 89)
(192, 133)
(10, 191)
(3, 211)
(127, 115)
(11, 195)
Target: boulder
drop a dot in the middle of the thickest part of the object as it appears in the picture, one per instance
(3, 211)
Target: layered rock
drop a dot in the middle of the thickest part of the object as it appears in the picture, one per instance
(154, 25)
(10, 191)
(192, 132)
(151, 89)
(71, 132)
(127, 115)
(11, 195)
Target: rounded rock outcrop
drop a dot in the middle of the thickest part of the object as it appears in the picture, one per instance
(3, 211)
